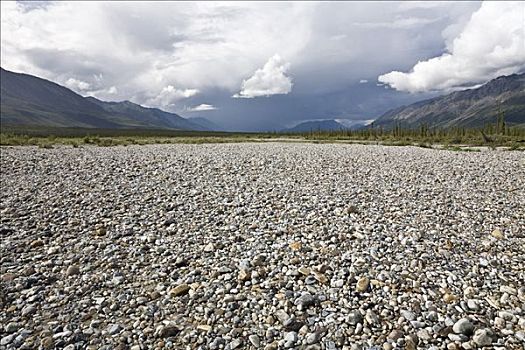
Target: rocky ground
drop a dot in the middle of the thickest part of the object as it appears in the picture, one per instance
(271, 246)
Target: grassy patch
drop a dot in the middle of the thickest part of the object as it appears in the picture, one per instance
(510, 138)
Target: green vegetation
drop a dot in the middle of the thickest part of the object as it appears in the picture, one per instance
(492, 135)
(77, 137)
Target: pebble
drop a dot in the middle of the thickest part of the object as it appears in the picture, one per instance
(7, 339)
(12, 327)
(244, 275)
(408, 315)
(73, 270)
(395, 334)
(282, 316)
(411, 342)
(497, 234)
(180, 290)
(313, 338)
(305, 301)
(253, 245)
(114, 329)
(424, 335)
(371, 317)
(169, 331)
(304, 271)
(362, 284)
(355, 317)
(483, 337)
(235, 343)
(290, 339)
(254, 340)
(47, 343)
(463, 326)
(204, 327)
(472, 304)
(449, 298)
(28, 310)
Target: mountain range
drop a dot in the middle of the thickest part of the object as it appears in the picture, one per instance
(327, 125)
(27, 100)
(466, 108)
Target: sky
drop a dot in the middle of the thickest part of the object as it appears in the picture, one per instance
(265, 65)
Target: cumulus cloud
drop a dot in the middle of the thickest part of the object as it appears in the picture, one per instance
(169, 95)
(363, 81)
(268, 80)
(202, 107)
(77, 85)
(491, 44)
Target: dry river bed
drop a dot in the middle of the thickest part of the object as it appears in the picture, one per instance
(261, 246)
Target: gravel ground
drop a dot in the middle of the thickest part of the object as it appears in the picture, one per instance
(271, 246)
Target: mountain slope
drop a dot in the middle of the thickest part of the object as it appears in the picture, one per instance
(316, 125)
(140, 115)
(32, 101)
(468, 108)
(28, 100)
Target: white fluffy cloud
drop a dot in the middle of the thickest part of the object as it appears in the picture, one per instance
(169, 95)
(268, 80)
(491, 44)
(77, 85)
(202, 107)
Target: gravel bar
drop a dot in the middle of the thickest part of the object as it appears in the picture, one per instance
(261, 246)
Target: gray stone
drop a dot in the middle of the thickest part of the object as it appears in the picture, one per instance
(313, 338)
(235, 343)
(290, 339)
(282, 316)
(73, 270)
(217, 343)
(28, 310)
(395, 335)
(114, 329)
(424, 335)
(12, 327)
(458, 337)
(7, 339)
(417, 324)
(371, 317)
(254, 339)
(483, 337)
(408, 315)
(463, 326)
(355, 317)
(305, 301)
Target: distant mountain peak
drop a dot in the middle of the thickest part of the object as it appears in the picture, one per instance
(326, 125)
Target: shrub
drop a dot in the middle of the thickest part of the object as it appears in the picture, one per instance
(45, 145)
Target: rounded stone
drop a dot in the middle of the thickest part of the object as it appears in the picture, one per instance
(73, 270)
(483, 337)
(463, 326)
